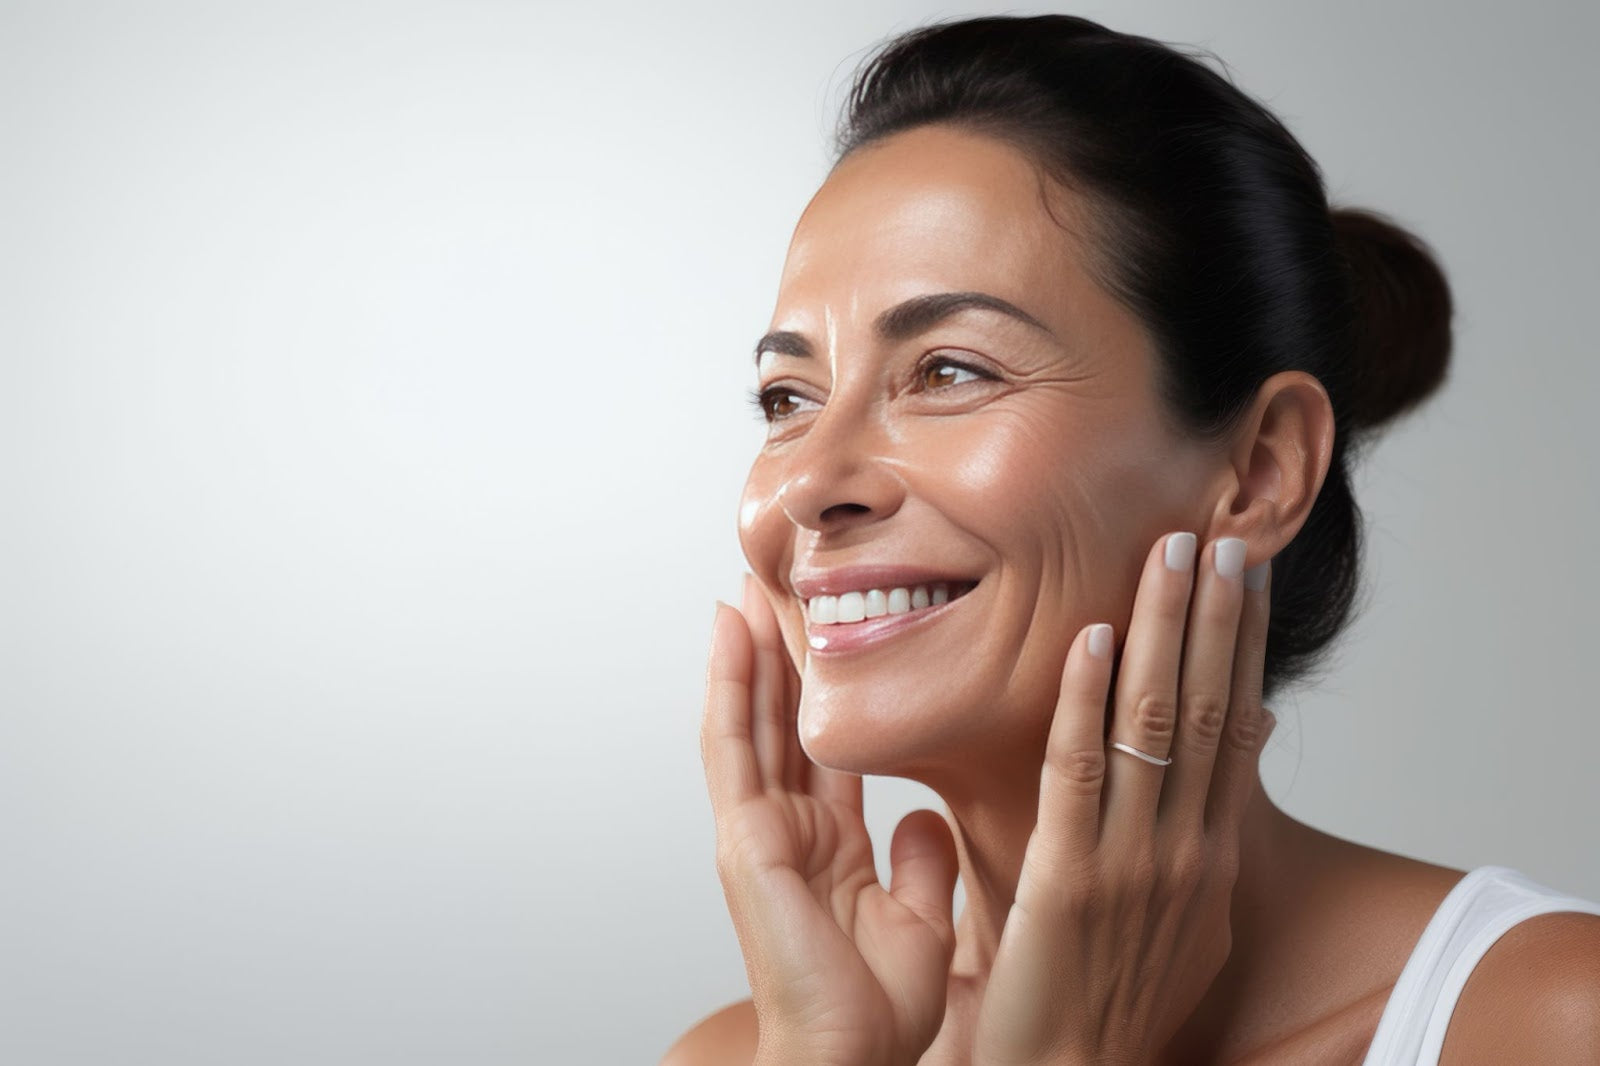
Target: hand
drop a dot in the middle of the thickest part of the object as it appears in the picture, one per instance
(841, 971)
(1121, 918)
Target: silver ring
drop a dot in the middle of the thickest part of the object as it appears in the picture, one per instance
(1146, 756)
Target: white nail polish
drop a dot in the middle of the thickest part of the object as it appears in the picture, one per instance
(1100, 641)
(1255, 578)
(1229, 557)
(1180, 551)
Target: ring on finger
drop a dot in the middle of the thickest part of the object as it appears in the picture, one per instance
(1145, 755)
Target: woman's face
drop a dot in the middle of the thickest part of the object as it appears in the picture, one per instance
(1027, 457)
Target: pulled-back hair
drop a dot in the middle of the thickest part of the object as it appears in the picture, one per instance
(1210, 223)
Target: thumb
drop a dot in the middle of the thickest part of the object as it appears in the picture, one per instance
(922, 870)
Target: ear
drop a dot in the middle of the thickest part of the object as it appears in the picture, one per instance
(1277, 462)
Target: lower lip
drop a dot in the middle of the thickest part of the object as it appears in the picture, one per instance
(840, 637)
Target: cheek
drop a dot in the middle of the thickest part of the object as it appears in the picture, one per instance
(1027, 477)
(1066, 495)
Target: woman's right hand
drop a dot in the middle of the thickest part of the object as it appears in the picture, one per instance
(842, 972)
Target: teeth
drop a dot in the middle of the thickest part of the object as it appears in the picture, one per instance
(874, 603)
(823, 609)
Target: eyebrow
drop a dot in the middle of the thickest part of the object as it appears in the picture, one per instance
(905, 320)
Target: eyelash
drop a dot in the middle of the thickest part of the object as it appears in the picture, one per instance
(758, 397)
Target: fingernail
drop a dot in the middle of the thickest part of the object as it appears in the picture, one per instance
(1228, 557)
(1180, 551)
(1100, 640)
(747, 595)
(1255, 578)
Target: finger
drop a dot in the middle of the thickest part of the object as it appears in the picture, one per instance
(798, 770)
(838, 788)
(796, 756)
(922, 870)
(1238, 756)
(1071, 782)
(767, 723)
(1204, 685)
(1145, 712)
(732, 774)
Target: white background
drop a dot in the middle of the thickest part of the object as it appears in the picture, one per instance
(371, 427)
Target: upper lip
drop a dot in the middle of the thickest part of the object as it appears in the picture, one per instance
(834, 582)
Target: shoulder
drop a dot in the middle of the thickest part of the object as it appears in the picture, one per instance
(1533, 997)
(724, 1038)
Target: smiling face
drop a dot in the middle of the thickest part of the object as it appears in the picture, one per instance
(1026, 454)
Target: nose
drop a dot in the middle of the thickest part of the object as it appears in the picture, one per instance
(841, 474)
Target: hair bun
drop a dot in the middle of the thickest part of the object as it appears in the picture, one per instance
(1403, 311)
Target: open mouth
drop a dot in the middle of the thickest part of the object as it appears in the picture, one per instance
(855, 619)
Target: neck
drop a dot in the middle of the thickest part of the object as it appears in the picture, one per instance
(991, 835)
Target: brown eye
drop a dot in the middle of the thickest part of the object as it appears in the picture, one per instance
(780, 403)
(774, 403)
(945, 373)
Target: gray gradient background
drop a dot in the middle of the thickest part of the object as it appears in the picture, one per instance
(371, 427)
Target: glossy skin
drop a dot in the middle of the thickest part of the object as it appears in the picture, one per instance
(1129, 871)
(1045, 472)
(1048, 485)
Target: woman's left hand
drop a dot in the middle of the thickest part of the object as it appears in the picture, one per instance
(1121, 917)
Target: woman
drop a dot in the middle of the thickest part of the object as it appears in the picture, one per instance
(1068, 368)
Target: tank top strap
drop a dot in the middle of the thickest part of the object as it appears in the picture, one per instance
(1476, 912)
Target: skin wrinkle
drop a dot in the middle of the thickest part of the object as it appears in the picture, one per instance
(1004, 485)
(1050, 487)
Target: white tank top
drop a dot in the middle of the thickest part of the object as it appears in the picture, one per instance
(1478, 910)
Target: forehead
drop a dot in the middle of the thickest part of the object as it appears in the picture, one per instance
(931, 209)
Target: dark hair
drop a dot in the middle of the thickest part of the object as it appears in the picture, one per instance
(1210, 223)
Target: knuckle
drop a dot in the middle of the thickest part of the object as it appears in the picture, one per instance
(1083, 769)
(1050, 854)
(1225, 860)
(1083, 887)
(1186, 864)
(730, 866)
(1246, 732)
(1204, 715)
(1155, 716)
(736, 847)
(1142, 871)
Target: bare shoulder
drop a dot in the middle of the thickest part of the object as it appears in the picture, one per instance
(724, 1038)
(1533, 997)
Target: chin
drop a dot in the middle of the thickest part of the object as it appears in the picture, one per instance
(961, 725)
(845, 729)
